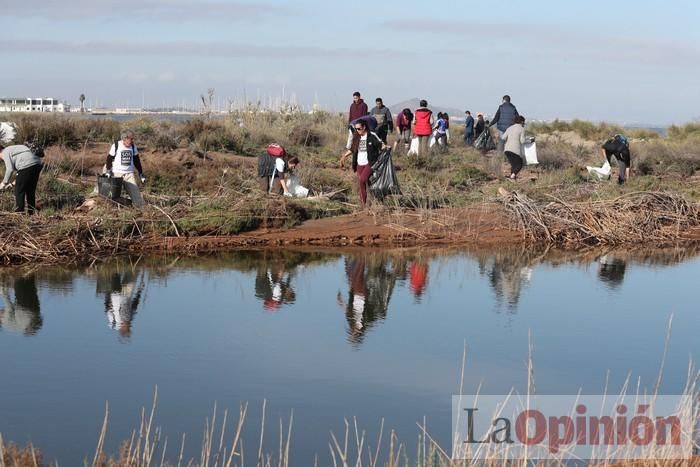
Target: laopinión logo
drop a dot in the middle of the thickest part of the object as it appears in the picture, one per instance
(559, 427)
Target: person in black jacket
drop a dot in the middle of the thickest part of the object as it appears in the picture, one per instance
(365, 148)
(619, 147)
(505, 117)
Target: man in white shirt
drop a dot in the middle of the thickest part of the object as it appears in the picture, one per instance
(123, 161)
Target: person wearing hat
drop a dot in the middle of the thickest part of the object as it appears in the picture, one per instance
(19, 158)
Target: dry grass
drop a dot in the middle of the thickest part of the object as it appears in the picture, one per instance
(200, 185)
(640, 217)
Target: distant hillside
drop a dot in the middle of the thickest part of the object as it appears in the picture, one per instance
(413, 104)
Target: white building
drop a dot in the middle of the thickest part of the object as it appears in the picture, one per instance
(32, 104)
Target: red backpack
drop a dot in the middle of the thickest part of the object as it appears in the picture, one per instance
(275, 150)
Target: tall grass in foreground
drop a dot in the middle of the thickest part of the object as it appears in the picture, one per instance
(147, 446)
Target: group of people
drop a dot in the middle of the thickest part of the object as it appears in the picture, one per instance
(25, 160)
(368, 132)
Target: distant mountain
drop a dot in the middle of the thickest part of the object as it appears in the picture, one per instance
(413, 104)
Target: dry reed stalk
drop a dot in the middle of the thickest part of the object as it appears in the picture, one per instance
(640, 217)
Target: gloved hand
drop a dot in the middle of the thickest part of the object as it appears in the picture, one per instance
(143, 178)
(109, 174)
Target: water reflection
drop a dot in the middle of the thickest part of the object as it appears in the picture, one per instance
(122, 291)
(509, 272)
(611, 270)
(273, 285)
(419, 278)
(371, 280)
(23, 314)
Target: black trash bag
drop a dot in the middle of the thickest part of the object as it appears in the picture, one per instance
(485, 141)
(383, 180)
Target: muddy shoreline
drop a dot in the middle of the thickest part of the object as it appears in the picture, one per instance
(83, 238)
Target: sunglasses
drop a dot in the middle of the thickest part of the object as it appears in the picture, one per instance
(359, 128)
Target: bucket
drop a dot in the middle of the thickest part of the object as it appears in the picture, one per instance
(109, 187)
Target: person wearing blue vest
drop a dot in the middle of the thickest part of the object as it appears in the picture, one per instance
(504, 118)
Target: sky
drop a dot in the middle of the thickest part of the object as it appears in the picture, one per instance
(618, 61)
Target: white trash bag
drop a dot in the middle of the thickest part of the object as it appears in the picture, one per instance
(530, 150)
(7, 132)
(413, 149)
(600, 172)
(295, 188)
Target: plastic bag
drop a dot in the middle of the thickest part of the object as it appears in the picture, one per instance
(295, 188)
(7, 132)
(383, 180)
(485, 141)
(530, 153)
(600, 172)
(414, 148)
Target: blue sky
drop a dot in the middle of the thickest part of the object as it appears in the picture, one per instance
(624, 61)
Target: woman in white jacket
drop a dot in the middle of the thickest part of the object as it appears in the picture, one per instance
(514, 138)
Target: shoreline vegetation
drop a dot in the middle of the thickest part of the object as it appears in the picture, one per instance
(203, 194)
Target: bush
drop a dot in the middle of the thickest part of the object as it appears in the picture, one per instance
(556, 155)
(468, 177)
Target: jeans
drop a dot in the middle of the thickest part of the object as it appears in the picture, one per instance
(440, 142)
(622, 167)
(500, 144)
(25, 187)
(469, 138)
(131, 184)
(423, 144)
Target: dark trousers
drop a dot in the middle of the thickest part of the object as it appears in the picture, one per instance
(469, 139)
(382, 132)
(265, 185)
(516, 162)
(25, 187)
(441, 142)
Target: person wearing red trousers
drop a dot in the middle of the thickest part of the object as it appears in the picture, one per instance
(365, 148)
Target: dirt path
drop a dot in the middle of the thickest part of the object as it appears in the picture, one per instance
(484, 225)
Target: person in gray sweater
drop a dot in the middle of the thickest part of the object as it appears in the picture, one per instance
(19, 158)
(514, 138)
(385, 123)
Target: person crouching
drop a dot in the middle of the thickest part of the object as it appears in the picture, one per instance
(19, 158)
(365, 152)
(619, 147)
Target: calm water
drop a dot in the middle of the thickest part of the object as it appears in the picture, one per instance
(331, 336)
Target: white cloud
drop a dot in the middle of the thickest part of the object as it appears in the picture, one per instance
(555, 41)
(187, 49)
(152, 10)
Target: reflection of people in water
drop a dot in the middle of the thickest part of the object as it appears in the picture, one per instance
(371, 284)
(611, 270)
(122, 298)
(509, 274)
(418, 278)
(273, 286)
(24, 314)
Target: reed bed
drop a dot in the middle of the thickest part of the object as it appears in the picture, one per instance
(638, 217)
